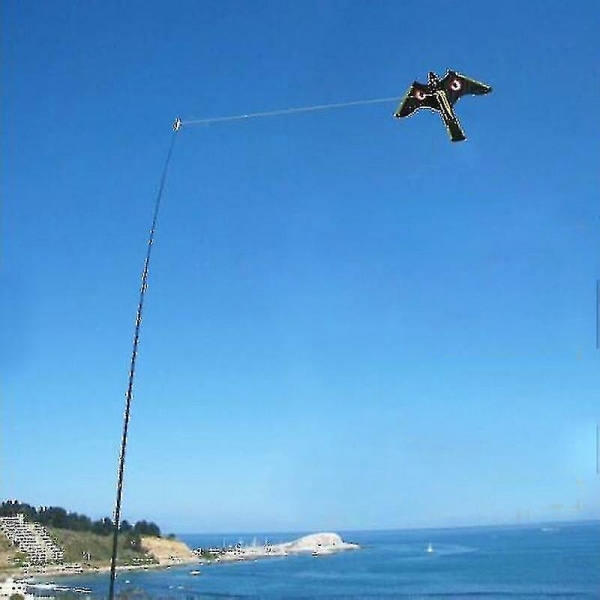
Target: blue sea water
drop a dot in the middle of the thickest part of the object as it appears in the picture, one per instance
(556, 561)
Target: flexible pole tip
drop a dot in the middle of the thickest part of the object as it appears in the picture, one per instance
(177, 124)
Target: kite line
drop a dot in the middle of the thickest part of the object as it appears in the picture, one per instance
(285, 111)
(129, 393)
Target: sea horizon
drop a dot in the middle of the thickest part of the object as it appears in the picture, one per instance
(305, 531)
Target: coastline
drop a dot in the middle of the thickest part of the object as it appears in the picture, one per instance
(60, 571)
(174, 553)
(392, 562)
(159, 553)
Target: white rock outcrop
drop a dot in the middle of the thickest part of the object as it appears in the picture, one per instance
(317, 542)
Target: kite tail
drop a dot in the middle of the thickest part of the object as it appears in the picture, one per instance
(455, 130)
(450, 119)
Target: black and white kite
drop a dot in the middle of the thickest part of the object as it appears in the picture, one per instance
(441, 95)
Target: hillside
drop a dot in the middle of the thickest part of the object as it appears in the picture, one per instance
(44, 532)
(95, 550)
(90, 551)
(10, 557)
(60, 518)
(168, 552)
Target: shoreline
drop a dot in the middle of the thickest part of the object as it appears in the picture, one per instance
(317, 544)
(61, 571)
(178, 554)
(157, 553)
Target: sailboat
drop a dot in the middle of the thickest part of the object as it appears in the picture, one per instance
(430, 549)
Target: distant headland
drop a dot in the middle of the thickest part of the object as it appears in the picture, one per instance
(317, 544)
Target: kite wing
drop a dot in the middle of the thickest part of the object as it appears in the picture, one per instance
(456, 85)
(419, 95)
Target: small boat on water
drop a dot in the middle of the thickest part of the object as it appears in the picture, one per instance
(195, 572)
(430, 549)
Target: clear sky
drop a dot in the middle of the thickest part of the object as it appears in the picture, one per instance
(351, 322)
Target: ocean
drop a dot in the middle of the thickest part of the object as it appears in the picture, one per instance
(535, 561)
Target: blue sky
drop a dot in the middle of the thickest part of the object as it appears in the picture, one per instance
(351, 322)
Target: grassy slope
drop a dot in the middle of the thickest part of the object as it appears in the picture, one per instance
(8, 554)
(76, 543)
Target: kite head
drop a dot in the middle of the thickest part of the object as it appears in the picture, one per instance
(433, 78)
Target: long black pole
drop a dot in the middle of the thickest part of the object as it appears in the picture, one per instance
(129, 393)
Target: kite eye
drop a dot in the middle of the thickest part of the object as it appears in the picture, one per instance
(419, 95)
(455, 85)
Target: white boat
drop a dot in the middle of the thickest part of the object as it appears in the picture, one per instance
(430, 549)
(194, 572)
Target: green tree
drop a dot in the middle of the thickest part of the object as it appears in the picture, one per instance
(146, 528)
(102, 526)
(126, 526)
(58, 517)
(11, 508)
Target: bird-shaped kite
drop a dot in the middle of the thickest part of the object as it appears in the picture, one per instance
(441, 95)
